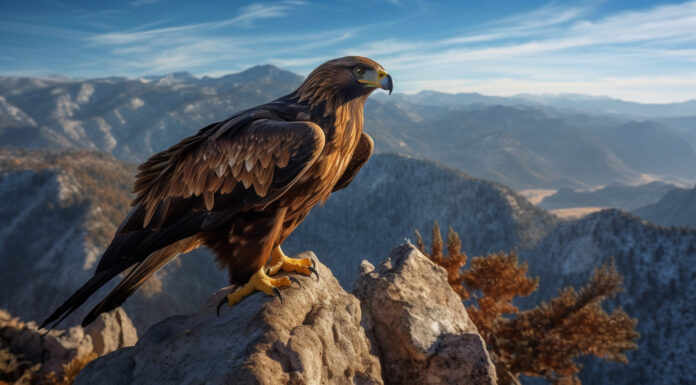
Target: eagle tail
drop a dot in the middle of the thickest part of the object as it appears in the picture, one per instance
(79, 297)
(133, 248)
(140, 274)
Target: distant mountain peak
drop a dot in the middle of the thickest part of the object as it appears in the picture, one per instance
(266, 73)
(264, 67)
(171, 78)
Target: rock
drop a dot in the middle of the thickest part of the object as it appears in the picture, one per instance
(410, 328)
(418, 324)
(22, 343)
(111, 331)
(16, 370)
(313, 336)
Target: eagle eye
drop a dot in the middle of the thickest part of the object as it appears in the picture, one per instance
(360, 71)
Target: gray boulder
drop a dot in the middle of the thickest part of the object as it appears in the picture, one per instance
(313, 336)
(111, 331)
(47, 352)
(410, 328)
(419, 326)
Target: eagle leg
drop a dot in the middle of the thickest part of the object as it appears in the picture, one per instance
(258, 282)
(280, 261)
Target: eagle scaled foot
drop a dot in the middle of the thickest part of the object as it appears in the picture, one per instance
(258, 282)
(280, 261)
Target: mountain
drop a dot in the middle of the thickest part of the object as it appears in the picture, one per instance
(601, 105)
(129, 118)
(607, 105)
(685, 126)
(651, 148)
(676, 208)
(514, 141)
(59, 220)
(61, 210)
(658, 265)
(532, 147)
(616, 195)
(393, 195)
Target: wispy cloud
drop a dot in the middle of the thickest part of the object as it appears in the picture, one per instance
(245, 18)
(590, 54)
(551, 14)
(257, 11)
(190, 46)
(584, 46)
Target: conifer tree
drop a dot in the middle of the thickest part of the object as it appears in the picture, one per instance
(544, 341)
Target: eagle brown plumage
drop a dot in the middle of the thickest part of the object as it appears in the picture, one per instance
(242, 185)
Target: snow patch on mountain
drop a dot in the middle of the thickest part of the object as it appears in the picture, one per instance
(85, 93)
(659, 269)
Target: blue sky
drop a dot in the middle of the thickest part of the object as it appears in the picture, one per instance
(634, 50)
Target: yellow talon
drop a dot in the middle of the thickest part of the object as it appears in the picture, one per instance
(258, 282)
(280, 261)
(261, 280)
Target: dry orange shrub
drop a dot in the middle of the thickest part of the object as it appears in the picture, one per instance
(70, 371)
(546, 340)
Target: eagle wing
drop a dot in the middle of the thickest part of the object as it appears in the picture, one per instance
(263, 161)
(195, 185)
(357, 161)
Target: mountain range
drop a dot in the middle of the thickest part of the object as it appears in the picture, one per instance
(65, 184)
(61, 222)
(63, 218)
(658, 265)
(601, 105)
(393, 195)
(60, 210)
(522, 142)
(617, 195)
(676, 208)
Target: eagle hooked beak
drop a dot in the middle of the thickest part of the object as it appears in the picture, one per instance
(378, 79)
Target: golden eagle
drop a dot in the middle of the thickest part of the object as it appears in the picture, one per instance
(242, 185)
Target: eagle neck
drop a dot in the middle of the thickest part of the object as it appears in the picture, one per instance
(347, 124)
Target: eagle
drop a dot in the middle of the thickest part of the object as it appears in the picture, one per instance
(241, 186)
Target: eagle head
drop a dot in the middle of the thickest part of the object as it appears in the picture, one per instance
(344, 79)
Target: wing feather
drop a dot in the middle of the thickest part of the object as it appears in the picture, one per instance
(207, 167)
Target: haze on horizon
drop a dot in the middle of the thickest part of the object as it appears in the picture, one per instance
(641, 51)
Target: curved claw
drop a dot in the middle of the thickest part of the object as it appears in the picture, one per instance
(277, 292)
(313, 270)
(222, 302)
(293, 279)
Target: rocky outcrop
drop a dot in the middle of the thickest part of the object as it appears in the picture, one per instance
(421, 330)
(28, 351)
(312, 336)
(418, 332)
(111, 331)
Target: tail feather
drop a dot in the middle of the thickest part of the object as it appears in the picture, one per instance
(79, 297)
(133, 248)
(139, 275)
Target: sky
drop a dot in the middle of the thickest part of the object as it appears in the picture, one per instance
(634, 50)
